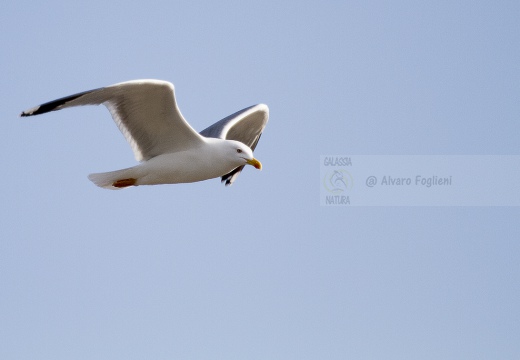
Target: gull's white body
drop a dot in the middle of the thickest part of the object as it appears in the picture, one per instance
(191, 165)
(169, 149)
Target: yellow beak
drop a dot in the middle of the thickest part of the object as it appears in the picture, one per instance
(257, 164)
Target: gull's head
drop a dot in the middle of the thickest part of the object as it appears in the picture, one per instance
(242, 154)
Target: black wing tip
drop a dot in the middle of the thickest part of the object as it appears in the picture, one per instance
(54, 104)
(226, 180)
(230, 177)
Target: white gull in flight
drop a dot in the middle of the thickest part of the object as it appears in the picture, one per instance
(169, 149)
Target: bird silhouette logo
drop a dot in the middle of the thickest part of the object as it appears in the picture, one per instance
(337, 181)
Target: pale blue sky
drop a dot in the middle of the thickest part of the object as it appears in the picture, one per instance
(258, 270)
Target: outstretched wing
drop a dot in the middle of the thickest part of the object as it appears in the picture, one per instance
(245, 126)
(145, 111)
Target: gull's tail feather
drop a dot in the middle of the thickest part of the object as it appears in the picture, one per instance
(115, 180)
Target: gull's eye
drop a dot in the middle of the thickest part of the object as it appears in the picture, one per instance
(239, 151)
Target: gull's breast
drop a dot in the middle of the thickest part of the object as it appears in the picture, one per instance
(184, 167)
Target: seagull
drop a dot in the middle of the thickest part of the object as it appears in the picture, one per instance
(169, 150)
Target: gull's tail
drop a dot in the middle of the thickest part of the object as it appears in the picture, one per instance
(115, 180)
